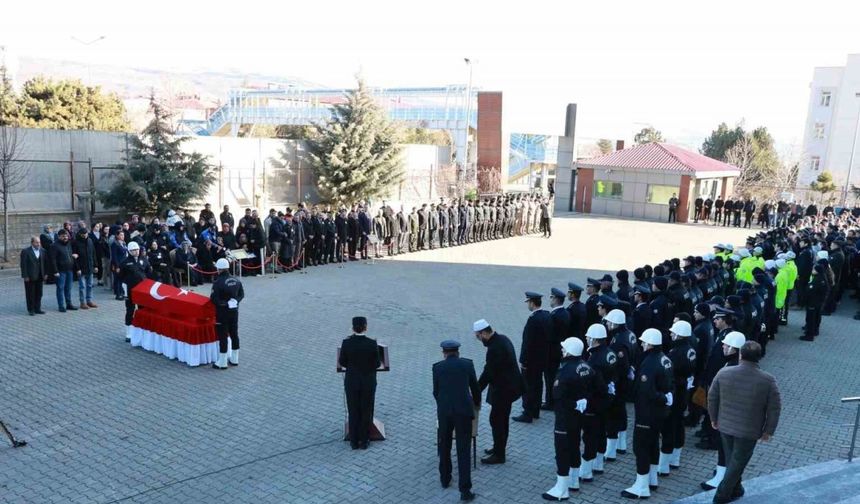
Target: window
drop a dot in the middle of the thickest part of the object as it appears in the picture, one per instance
(660, 194)
(815, 163)
(818, 131)
(606, 189)
(825, 99)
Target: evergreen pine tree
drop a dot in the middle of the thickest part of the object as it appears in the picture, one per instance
(355, 155)
(159, 175)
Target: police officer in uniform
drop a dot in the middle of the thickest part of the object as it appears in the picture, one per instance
(683, 357)
(133, 270)
(360, 356)
(576, 312)
(502, 375)
(642, 310)
(560, 331)
(623, 343)
(227, 293)
(592, 288)
(652, 399)
(534, 353)
(457, 395)
(572, 389)
(603, 360)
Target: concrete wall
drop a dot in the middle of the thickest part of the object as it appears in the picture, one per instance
(249, 174)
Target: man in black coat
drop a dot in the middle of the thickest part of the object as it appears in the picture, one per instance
(422, 227)
(227, 217)
(533, 356)
(360, 356)
(502, 375)
(576, 312)
(62, 264)
(591, 314)
(340, 224)
(559, 331)
(457, 395)
(86, 265)
(34, 272)
(641, 310)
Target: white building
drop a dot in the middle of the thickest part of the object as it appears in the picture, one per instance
(832, 123)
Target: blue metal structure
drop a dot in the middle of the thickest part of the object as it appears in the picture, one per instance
(428, 107)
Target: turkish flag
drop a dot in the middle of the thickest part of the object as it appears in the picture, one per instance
(173, 313)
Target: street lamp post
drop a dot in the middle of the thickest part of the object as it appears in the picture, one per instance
(851, 162)
(466, 132)
(88, 43)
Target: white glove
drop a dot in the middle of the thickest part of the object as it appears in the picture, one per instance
(669, 399)
(611, 388)
(232, 303)
(690, 383)
(125, 290)
(581, 404)
(631, 374)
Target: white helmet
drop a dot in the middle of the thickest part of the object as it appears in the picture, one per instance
(822, 254)
(735, 258)
(780, 263)
(596, 331)
(652, 337)
(133, 246)
(222, 264)
(790, 255)
(758, 251)
(769, 264)
(743, 252)
(616, 317)
(682, 328)
(730, 247)
(573, 346)
(735, 339)
(781, 255)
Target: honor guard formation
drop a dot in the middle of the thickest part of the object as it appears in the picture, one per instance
(681, 341)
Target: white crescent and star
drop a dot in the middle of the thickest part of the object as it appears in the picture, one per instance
(153, 291)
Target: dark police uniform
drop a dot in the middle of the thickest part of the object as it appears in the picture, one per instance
(560, 330)
(360, 356)
(576, 312)
(455, 388)
(623, 343)
(683, 356)
(132, 272)
(603, 360)
(225, 288)
(575, 380)
(652, 382)
(534, 354)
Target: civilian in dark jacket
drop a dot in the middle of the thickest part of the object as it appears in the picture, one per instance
(86, 266)
(227, 217)
(360, 356)
(63, 264)
(457, 395)
(534, 354)
(502, 375)
(340, 222)
(34, 272)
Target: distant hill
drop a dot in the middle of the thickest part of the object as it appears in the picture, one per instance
(133, 82)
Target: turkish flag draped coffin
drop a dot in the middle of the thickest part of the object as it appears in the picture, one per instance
(174, 322)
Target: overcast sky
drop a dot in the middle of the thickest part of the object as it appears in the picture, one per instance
(682, 66)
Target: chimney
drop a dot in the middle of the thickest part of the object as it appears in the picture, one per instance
(570, 120)
(619, 145)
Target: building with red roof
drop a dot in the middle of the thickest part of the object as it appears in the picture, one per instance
(638, 182)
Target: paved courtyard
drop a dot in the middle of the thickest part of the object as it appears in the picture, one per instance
(107, 423)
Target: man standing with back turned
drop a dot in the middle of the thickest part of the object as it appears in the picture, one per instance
(744, 405)
(455, 388)
(502, 375)
(360, 356)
